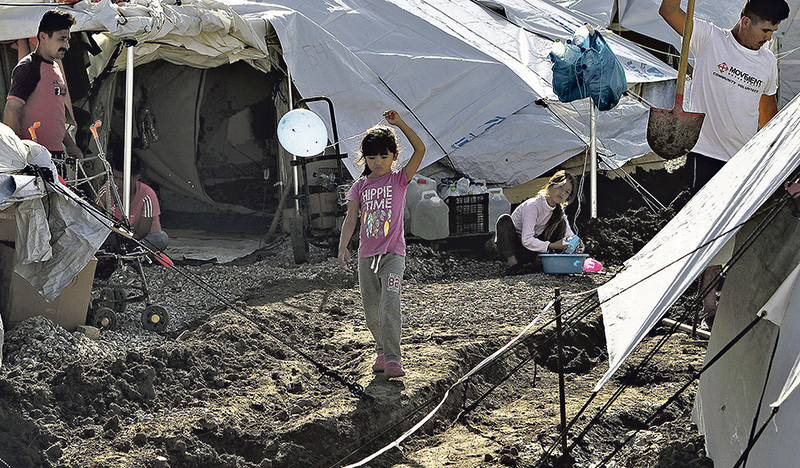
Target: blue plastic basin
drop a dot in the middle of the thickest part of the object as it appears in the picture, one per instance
(563, 264)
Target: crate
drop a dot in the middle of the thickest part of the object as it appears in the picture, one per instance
(469, 214)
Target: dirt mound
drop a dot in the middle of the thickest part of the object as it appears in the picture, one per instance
(221, 388)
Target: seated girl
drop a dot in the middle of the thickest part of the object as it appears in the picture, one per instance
(538, 225)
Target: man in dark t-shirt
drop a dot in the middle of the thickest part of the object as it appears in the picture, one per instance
(38, 88)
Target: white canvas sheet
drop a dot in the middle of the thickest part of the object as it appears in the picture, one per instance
(601, 10)
(656, 276)
(201, 28)
(741, 383)
(786, 299)
(470, 77)
(556, 22)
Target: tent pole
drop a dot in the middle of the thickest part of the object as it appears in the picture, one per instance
(295, 180)
(126, 173)
(593, 157)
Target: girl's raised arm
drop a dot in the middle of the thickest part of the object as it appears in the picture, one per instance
(416, 142)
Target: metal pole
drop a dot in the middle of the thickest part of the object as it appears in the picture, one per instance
(561, 395)
(593, 157)
(128, 141)
(295, 179)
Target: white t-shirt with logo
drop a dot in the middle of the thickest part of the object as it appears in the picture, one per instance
(727, 85)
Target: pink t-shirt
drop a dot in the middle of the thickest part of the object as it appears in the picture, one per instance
(381, 202)
(144, 204)
(40, 86)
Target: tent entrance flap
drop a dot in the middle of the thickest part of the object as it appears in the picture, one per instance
(206, 137)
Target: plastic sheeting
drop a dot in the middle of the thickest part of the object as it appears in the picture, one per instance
(636, 299)
(747, 379)
(470, 76)
(201, 28)
(786, 299)
(76, 234)
(53, 243)
(474, 84)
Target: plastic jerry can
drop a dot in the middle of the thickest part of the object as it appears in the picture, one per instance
(498, 205)
(415, 188)
(431, 217)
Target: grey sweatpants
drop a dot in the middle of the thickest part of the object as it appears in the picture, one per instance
(380, 293)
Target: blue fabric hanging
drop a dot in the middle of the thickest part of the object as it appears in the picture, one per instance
(595, 73)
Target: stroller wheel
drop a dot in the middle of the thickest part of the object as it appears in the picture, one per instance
(120, 296)
(155, 318)
(103, 318)
(114, 297)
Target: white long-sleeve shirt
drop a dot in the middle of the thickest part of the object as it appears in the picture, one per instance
(530, 218)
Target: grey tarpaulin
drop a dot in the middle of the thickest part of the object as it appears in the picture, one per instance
(52, 225)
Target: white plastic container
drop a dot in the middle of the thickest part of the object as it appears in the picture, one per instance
(462, 186)
(431, 217)
(478, 187)
(418, 184)
(498, 205)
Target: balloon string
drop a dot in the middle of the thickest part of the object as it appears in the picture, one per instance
(357, 135)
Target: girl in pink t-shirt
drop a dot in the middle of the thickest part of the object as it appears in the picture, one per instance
(378, 198)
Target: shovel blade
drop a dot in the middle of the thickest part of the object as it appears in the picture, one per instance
(672, 133)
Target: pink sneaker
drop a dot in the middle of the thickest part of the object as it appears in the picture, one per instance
(379, 365)
(394, 369)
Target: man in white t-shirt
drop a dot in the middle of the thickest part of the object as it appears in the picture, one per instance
(734, 83)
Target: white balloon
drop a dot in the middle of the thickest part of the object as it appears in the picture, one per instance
(302, 133)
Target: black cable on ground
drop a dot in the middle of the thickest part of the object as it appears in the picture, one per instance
(474, 404)
(354, 387)
(425, 404)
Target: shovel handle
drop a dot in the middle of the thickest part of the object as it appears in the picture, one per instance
(683, 64)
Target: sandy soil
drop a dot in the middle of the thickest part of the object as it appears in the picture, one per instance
(221, 389)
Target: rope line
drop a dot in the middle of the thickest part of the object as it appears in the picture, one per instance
(354, 387)
(752, 442)
(763, 392)
(481, 365)
(675, 396)
(772, 212)
(524, 340)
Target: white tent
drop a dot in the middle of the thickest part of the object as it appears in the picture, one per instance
(636, 299)
(634, 302)
(472, 79)
(477, 82)
(736, 394)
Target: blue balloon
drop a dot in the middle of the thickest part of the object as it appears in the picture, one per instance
(302, 133)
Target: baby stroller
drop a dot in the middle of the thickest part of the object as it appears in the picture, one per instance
(110, 297)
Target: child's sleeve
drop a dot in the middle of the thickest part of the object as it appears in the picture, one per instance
(354, 194)
(530, 218)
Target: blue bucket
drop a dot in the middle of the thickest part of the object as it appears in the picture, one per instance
(563, 264)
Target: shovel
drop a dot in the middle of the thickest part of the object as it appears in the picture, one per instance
(672, 133)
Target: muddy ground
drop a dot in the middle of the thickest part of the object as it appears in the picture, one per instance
(221, 388)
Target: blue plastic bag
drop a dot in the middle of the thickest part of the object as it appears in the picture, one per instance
(595, 73)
